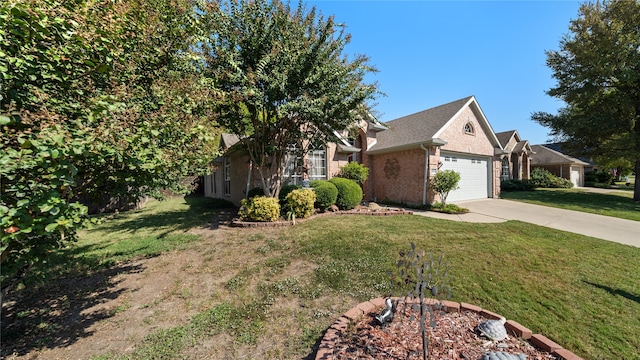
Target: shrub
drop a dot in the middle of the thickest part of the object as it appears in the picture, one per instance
(444, 182)
(285, 191)
(256, 191)
(544, 179)
(515, 185)
(259, 208)
(354, 171)
(349, 193)
(300, 202)
(598, 178)
(326, 193)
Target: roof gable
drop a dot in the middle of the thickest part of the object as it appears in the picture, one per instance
(425, 126)
(505, 136)
(547, 156)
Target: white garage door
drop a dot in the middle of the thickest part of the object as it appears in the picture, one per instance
(474, 176)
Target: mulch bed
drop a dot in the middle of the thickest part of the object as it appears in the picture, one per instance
(453, 337)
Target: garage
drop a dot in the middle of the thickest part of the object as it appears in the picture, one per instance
(474, 175)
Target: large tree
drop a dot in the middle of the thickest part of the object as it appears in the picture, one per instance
(598, 72)
(285, 83)
(96, 97)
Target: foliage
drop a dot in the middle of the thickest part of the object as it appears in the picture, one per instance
(444, 182)
(326, 193)
(418, 275)
(349, 261)
(283, 80)
(597, 72)
(97, 102)
(256, 191)
(259, 208)
(542, 178)
(515, 185)
(448, 208)
(286, 190)
(349, 193)
(300, 202)
(354, 171)
(602, 177)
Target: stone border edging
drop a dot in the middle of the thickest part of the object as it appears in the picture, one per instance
(335, 331)
(257, 224)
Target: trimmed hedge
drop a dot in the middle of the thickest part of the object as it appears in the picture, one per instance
(282, 196)
(300, 202)
(354, 171)
(259, 208)
(349, 193)
(326, 193)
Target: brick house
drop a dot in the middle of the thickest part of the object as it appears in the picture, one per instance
(559, 164)
(402, 156)
(516, 162)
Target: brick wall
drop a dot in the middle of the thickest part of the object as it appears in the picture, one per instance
(398, 176)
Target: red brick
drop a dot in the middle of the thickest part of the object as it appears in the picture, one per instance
(451, 306)
(366, 307)
(324, 354)
(544, 343)
(518, 330)
(566, 355)
(490, 314)
(469, 307)
(378, 302)
(354, 314)
(341, 324)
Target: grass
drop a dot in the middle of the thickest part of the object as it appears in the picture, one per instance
(281, 288)
(618, 204)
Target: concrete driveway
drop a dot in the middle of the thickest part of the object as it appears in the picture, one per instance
(498, 210)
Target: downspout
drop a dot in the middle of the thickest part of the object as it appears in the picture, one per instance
(426, 174)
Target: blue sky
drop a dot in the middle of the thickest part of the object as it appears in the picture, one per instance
(430, 53)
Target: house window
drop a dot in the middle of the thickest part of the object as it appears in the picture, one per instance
(227, 176)
(468, 129)
(504, 175)
(292, 168)
(317, 161)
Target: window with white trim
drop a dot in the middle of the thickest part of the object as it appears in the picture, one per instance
(317, 160)
(468, 129)
(504, 175)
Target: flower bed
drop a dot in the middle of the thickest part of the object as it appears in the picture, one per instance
(356, 335)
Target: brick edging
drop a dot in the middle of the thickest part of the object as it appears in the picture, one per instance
(337, 329)
(257, 224)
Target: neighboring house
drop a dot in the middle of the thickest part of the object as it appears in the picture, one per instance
(402, 156)
(561, 148)
(559, 164)
(516, 164)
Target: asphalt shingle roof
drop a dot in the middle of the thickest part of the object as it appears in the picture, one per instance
(547, 156)
(417, 128)
(504, 137)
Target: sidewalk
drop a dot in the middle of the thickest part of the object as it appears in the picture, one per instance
(499, 210)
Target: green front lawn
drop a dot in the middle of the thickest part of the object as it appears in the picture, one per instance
(618, 204)
(281, 288)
